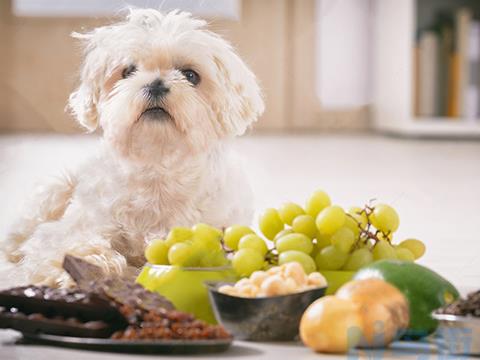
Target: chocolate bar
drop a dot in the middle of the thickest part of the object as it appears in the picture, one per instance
(60, 302)
(99, 307)
(121, 291)
(37, 323)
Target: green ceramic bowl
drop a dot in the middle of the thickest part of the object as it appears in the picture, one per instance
(185, 287)
(336, 279)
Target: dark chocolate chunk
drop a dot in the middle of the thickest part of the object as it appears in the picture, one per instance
(35, 323)
(81, 271)
(62, 302)
(123, 291)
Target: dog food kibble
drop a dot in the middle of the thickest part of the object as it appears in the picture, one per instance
(280, 280)
(464, 307)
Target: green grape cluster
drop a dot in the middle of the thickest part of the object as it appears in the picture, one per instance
(200, 246)
(319, 236)
(326, 237)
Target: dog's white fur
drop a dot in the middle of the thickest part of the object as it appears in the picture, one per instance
(149, 175)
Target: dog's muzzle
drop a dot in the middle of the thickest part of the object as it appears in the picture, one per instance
(155, 91)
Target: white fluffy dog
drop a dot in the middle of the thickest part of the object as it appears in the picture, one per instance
(168, 94)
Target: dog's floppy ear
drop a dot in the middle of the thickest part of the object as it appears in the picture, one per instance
(83, 101)
(243, 100)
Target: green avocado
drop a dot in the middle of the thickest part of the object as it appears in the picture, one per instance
(424, 289)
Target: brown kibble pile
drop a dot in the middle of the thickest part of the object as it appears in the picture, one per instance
(464, 307)
(166, 324)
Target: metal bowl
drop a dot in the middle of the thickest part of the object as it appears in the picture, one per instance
(273, 318)
(460, 335)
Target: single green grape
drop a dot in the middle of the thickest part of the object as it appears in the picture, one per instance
(282, 234)
(157, 252)
(331, 258)
(179, 234)
(323, 240)
(358, 259)
(305, 224)
(234, 233)
(343, 239)
(254, 242)
(180, 254)
(330, 219)
(200, 251)
(209, 236)
(294, 241)
(352, 224)
(298, 256)
(385, 218)
(404, 254)
(290, 211)
(270, 223)
(416, 247)
(205, 232)
(318, 201)
(383, 250)
(213, 259)
(359, 215)
(246, 261)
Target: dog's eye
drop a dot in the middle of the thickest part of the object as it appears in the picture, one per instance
(129, 70)
(191, 76)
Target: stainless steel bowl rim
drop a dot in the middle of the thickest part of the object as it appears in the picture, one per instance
(212, 286)
(455, 318)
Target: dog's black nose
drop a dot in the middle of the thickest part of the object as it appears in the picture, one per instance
(157, 88)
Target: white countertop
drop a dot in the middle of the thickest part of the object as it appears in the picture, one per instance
(434, 185)
(423, 350)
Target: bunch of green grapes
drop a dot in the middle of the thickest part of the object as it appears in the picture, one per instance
(319, 236)
(200, 246)
(323, 236)
(361, 236)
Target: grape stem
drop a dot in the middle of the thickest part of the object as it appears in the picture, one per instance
(225, 248)
(366, 233)
(271, 257)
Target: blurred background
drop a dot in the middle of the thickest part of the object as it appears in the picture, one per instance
(365, 99)
(409, 67)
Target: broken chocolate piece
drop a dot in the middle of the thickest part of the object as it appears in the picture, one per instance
(60, 302)
(122, 291)
(81, 271)
(35, 323)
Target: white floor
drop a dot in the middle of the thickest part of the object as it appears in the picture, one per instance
(434, 185)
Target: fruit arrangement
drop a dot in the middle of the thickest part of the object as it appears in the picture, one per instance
(364, 313)
(424, 289)
(319, 236)
(387, 300)
(317, 240)
(279, 280)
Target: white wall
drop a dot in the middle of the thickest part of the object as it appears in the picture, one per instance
(343, 48)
